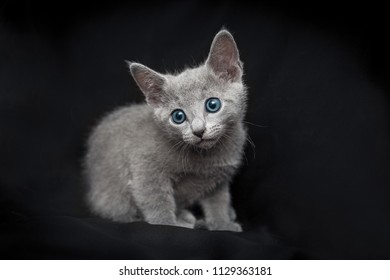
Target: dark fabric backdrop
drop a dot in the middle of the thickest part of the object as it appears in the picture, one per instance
(317, 185)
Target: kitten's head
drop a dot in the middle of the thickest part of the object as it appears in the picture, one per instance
(199, 106)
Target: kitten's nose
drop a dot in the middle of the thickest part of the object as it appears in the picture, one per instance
(198, 133)
(198, 127)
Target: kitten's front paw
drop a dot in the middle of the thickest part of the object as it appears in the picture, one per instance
(186, 219)
(229, 226)
(232, 226)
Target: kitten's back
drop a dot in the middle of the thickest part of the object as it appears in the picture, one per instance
(116, 139)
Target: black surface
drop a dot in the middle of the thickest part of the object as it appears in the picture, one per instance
(318, 77)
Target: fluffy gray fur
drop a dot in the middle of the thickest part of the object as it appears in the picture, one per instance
(140, 165)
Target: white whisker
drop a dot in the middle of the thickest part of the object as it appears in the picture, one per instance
(252, 144)
(257, 125)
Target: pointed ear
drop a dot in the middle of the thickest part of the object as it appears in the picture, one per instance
(224, 59)
(150, 82)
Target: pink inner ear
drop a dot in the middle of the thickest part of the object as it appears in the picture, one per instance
(228, 70)
(233, 72)
(224, 58)
(146, 81)
(154, 90)
(150, 83)
(155, 98)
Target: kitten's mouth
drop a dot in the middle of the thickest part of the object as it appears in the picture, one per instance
(207, 143)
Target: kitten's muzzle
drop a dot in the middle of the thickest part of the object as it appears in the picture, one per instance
(198, 127)
(199, 133)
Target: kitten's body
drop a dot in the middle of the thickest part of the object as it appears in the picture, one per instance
(141, 166)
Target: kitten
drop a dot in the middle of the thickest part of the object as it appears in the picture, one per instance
(152, 161)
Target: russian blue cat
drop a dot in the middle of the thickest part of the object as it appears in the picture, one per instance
(152, 161)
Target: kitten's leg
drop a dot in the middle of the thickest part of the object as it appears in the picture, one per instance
(156, 202)
(186, 219)
(232, 213)
(218, 211)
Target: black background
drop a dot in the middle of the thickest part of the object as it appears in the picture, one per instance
(318, 185)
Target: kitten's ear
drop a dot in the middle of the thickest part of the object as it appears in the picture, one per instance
(224, 59)
(150, 82)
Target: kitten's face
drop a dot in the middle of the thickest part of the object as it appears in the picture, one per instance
(199, 106)
(199, 109)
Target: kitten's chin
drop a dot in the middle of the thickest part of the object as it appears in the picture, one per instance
(202, 144)
(206, 144)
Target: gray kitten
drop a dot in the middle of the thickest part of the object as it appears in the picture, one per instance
(152, 161)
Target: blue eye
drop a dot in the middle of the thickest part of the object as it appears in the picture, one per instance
(213, 105)
(178, 116)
